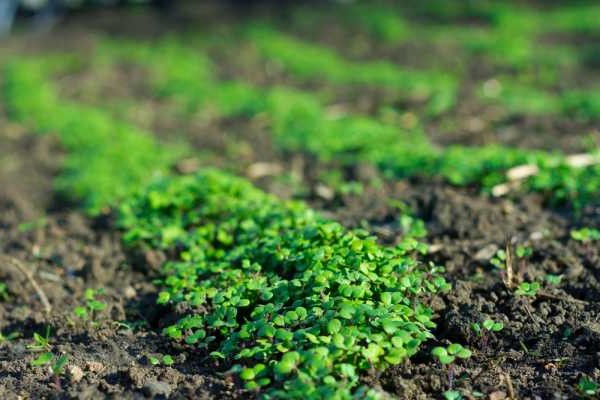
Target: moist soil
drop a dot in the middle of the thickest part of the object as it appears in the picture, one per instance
(547, 344)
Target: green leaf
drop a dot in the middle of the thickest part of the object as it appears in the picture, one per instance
(334, 326)
(247, 374)
(43, 359)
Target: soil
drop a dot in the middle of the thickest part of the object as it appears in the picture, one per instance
(547, 344)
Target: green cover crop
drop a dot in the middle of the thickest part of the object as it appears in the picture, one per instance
(302, 303)
(107, 159)
(299, 122)
(302, 306)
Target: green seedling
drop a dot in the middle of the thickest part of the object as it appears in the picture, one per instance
(313, 327)
(56, 364)
(166, 360)
(29, 226)
(553, 279)
(523, 251)
(93, 305)
(588, 387)
(40, 343)
(499, 259)
(3, 291)
(529, 289)
(485, 328)
(447, 355)
(585, 235)
(8, 337)
(452, 395)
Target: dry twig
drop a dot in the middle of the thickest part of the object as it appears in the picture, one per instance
(8, 260)
(516, 175)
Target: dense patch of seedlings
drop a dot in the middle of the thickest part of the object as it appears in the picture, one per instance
(304, 305)
(106, 158)
(299, 121)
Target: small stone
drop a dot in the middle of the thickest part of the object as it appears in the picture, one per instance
(187, 166)
(94, 366)
(497, 395)
(154, 389)
(537, 235)
(129, 292)
(325, 192)
(75, 373)
(486, 253)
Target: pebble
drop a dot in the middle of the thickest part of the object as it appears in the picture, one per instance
(75, 373)
(94, 366)
(129, 292)
(154, 389)
(486, 253)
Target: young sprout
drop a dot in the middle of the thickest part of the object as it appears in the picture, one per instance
(40, 343)
(485, 328)
(452, 395)
(499, 260)
(491, 325)
(553, 279)
(166, 360)
(588, 387)
(3, 291)
(92, 305)
(528, 289)
(8, 337)
(447, 355)
(585, 235)
(56, 364)
(524, 251)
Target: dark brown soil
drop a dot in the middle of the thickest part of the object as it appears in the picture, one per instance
(547, 344)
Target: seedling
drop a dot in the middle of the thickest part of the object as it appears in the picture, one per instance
(488, 326)
(8, 337)
(56, 365)
(447, 355)
(265, 302)
(166, 360)
(524, 251)
(499, 260)
(553, 279)
(3, 291)
(528, 289)
(452, 395)
(40, 343)
(586, 235)
(587, 386)
(93, 306)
